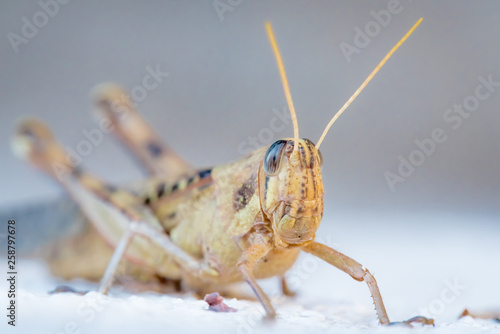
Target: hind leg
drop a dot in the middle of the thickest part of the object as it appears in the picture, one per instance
(160, 160)
(117, 215)
(285, 289)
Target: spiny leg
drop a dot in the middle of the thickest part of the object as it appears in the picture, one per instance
(359, 273)
(246, 265)
(114, 105)
(117, 214)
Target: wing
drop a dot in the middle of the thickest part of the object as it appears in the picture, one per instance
(231, 188)
(236, 188)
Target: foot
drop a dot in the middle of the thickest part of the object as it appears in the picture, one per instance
(417, 319)
(482, 315)
(285, 289)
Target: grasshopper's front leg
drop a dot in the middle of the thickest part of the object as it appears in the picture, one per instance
(359, 273)
(246, 265)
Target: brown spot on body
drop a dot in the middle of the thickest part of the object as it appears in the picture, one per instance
(303, 156)
(175, 187)
(77, 172)
(110, 188)
(310, 147)
(160, 189)
(243, 195)
(313, 176)
(154, 149)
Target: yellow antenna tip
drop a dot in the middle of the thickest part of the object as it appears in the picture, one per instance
(367, 80)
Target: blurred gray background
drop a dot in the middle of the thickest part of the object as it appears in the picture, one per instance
(223, 85)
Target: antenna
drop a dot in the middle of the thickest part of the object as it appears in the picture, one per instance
(284, 80)
(367, 80)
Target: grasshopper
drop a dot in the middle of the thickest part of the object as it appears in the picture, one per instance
(242, 221)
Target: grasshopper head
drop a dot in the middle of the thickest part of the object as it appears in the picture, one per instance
(291, 189)
(290, 184)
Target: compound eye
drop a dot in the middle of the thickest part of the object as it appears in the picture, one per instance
(272, 159)
(320, 157)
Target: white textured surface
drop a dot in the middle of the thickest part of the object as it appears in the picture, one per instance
(412, 260)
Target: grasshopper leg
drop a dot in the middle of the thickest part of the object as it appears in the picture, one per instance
(482, 315)
(142, 224)
(359, 273)
(246, 265)
(285, 289)
(117, 215)
(113, 104)
(109, 274)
